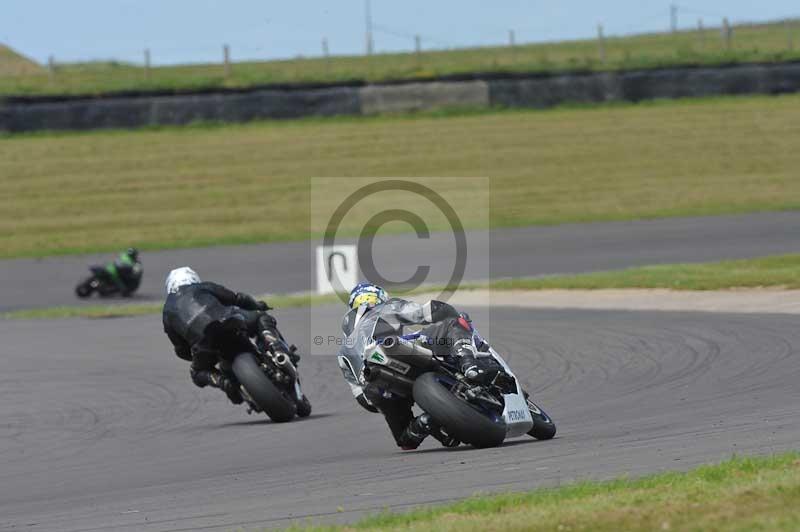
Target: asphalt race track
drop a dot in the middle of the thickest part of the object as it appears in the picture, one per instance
(525, 251)
(101, 429)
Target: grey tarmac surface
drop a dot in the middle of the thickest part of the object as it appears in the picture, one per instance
(102, 430)
(528, 251)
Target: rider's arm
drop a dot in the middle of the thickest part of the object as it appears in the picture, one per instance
(248, 302)
(238, 299)
(182, 349)
(410, 313)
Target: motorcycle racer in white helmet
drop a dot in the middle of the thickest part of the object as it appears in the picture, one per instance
(203, 319)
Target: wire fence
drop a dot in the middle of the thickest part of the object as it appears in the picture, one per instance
(423, 55)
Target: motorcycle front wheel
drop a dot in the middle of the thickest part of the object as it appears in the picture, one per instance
(458, 417)
(543, 426)
(265, 394)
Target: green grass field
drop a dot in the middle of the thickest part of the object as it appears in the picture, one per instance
(779, 271)
(736, 495)
(100, 191)
(763, 42)
(767, 272)
(100, 310)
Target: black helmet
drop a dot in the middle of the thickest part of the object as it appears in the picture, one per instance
(133, 253)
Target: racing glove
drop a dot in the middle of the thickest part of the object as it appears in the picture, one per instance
(248, 302)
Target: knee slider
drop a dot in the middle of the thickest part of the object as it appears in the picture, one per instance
(200, 378)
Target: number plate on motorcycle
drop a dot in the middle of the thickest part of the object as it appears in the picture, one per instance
(379, 358)
(398, 366)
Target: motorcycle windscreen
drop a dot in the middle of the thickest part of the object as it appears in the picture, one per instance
(354, 345)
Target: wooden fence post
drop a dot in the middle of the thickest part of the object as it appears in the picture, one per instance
(226, 57)
(701, 34)
(673, 18)
(326, 54)
(601, 43)
(727, 33)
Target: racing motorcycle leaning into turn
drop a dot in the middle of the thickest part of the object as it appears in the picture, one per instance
(269, 381)
(376, 354)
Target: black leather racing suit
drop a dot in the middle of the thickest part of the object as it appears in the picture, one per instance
(207, 323)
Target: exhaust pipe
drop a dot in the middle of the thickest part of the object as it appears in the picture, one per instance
(284, 363)
(379, 375)
(409, 352)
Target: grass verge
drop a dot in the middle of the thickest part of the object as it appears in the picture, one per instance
(739, 494)
(749, 43)
(777, 271)
(140, 309)
(245, 183)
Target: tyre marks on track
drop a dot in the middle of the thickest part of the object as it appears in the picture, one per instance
(107, 431)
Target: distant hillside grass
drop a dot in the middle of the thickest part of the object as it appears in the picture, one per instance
(751, 43)
(14, 64)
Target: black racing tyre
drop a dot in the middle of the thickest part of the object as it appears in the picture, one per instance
(304, 407)
(84, 289)
(459, 418)
(263, 391)
(543, 426)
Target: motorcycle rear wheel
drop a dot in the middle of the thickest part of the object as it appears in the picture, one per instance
(304, 407)
(454, 414)
(266, 395)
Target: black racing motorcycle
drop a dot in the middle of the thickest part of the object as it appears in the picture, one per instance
(268, 379)
(101, 282)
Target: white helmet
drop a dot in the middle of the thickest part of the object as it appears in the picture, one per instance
(181, 277)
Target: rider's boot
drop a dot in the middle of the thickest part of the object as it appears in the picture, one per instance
(421, 427)
(439, 433)
(217, 379)
(443, 437)
(417, 430)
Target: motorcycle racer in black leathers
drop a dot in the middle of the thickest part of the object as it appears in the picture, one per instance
(203, 319)
(448, 334)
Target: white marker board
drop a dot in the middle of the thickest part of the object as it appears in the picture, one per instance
(337, 268)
